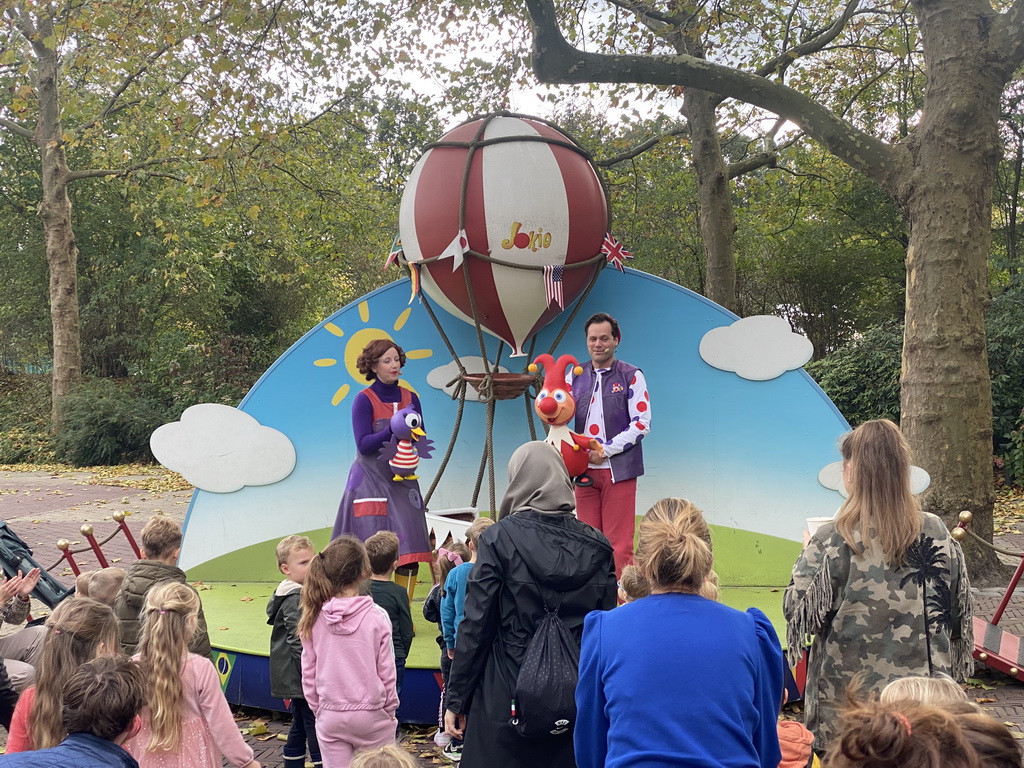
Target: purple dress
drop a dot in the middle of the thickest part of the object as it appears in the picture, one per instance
(373, 501)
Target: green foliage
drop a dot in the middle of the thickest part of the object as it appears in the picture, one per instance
(863, 378)
(106, 422)
(24, 419)
(1003, 325)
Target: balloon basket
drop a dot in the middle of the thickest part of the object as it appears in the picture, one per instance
(504, 386)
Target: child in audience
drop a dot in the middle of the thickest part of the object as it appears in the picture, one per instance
(904, 735)
(938, 691)
(388, 756)
(103, 584)
(161, 543)
(447, 559)
(453, 607)
(382, 549)
(187, 722)
(102, 700)
(79, 631)
(632, 585)
(294, 554)
(348, 665)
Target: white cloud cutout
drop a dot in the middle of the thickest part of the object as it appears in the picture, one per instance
(440, 376)
(758, 348)
(221, 449)
(831, 476)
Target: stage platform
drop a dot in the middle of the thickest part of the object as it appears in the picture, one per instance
(237, 619)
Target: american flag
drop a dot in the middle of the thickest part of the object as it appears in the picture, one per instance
(553, 285)
(613, 249)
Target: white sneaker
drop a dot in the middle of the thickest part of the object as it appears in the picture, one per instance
(442, 739)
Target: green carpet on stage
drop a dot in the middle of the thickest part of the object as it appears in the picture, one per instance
(236, 614)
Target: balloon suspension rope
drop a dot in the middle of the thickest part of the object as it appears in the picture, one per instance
(459, 394)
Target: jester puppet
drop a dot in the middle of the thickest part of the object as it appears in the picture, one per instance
(556, 408)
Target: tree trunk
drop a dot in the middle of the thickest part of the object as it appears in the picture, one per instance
(61, 251)
(717, 222)
(946, 190)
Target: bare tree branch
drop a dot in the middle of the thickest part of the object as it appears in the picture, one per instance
(1007, 39)
(124, 85)
(640, 148)
(812, 45)
(556, 61)
(97, 173)
(16, 128)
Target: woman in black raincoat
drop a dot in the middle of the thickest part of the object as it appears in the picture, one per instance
(537, 553)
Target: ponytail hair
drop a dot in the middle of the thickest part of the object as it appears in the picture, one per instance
(446, 564)
(340, 565)
(906, 735)
(78, 627)
(169, 621)
(674, 550)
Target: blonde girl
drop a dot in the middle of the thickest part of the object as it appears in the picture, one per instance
(633, 702)
(688, 517)
(348, 668)
(187, 723)
(80, 630)
(882, 564)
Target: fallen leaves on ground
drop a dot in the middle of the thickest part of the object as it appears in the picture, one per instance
(1008, 513)
(145, 477)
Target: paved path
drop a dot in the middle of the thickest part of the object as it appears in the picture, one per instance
(42, 508)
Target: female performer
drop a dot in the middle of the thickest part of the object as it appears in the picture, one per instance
(675, 678)
(882, 589)
(374, 500)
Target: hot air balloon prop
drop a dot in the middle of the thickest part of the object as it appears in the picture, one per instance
(556, 408)
(504, 219)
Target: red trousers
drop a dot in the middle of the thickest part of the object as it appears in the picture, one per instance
(611, 508)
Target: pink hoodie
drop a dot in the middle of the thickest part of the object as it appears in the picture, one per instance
(347, 662)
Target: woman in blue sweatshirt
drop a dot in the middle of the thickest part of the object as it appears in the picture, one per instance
(675, 678)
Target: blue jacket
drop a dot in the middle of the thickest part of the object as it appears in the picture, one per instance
(453, 603)
(81, 750)
(709, 698)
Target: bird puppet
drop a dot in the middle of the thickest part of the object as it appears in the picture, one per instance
(408, 444)
(556, 408)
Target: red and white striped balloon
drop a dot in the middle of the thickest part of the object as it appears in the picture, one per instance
(527, 202)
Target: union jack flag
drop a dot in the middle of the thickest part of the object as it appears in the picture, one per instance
(613, 249)
(553, 285)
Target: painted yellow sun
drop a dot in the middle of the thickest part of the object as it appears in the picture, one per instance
(355, 344)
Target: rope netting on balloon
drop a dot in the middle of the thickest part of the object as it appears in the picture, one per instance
(492, 385)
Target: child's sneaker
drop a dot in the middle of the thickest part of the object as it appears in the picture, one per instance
(453, 751)
(442, 739)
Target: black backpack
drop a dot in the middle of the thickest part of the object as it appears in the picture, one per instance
(544, 696)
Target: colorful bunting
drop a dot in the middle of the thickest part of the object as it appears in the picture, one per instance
(553, 284)
(414, 278)
(396, 251)
(456, 249)
(613, 249)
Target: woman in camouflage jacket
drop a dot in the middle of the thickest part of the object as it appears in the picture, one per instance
(882, 589)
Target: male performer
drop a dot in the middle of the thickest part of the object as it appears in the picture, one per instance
(612, 404)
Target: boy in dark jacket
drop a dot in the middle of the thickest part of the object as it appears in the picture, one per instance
(101, 712)
(294, 554)
(382, 548)
(161, 543)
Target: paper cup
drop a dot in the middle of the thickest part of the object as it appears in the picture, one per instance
(814, 523)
